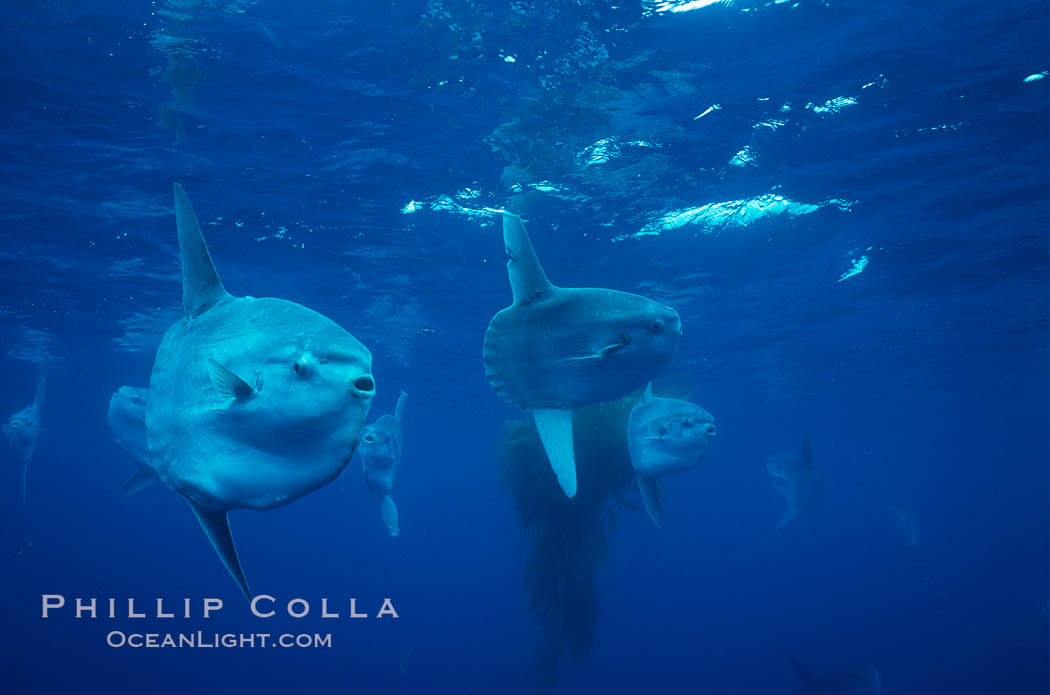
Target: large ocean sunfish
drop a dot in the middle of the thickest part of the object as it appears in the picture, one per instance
(556, 349)
(23, 429)
(797, 479)
(665, 436)
(380, 452)
(252, 403)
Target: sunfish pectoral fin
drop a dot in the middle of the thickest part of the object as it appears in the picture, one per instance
(527, 279)
(142, 477)
(226, 382)
(647, 395)
(388, 510)
(651, 498)
(217, 528)
(790, 513)
(555, 428)
(201, 286)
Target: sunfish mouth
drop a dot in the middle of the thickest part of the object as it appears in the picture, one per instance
(363, 385)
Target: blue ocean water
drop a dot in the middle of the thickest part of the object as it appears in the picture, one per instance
(846, 203)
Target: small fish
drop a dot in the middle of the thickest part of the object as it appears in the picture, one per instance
(666, 436)
(23, 428)
(797, 479)
(380, 451)
(426, 330)
(25, 546)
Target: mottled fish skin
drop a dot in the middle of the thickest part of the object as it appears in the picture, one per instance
(578, 346)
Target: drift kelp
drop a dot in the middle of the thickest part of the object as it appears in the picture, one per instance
(567, 535)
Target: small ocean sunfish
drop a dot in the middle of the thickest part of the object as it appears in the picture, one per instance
(665, 436)
(380, 448)
(797, 480)
(23, 429)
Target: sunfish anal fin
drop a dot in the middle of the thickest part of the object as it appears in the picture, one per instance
(217, 528)
(142, 477)
(201, 286)
(555, 428)
(388, 510)
(226, 382)
(790, 513)
(527, 279)
(652, 500)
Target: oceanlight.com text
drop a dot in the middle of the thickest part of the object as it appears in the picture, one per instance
(215, 640)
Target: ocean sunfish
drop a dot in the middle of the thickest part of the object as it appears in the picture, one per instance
(380, 452)
(23, 429)
(556, 349)
(252, 403)
(126, 416)
(665, 436)
(797, 480)
(849, 680)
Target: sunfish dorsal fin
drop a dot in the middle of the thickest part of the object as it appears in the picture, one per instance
(652, 499)
(201, 286)
(217, 528)
(388, 510)
(399, 409)
(527, 279)
(807, 452)
(555, 428)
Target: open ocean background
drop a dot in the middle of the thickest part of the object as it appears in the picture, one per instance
(847, 202)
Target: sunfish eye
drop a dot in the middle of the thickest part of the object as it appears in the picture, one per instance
(656, 326)
(300, 366)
